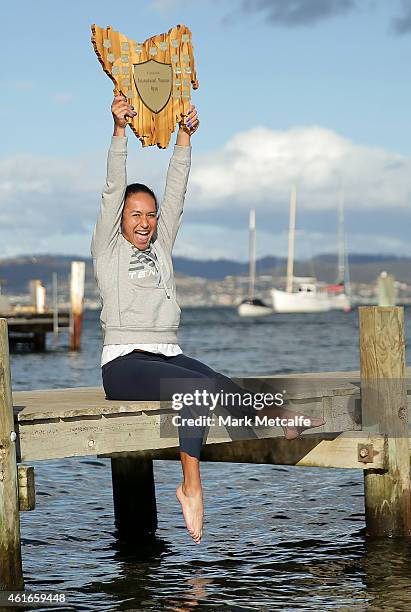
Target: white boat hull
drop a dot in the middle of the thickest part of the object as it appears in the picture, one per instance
(253, 310)
(299, 301)
(340, 302)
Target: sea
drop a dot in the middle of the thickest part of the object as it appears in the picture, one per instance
(276, 537)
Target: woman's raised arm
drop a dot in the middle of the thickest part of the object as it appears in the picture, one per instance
(109, 219)
(171, 209)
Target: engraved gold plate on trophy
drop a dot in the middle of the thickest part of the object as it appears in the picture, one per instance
(155, 76)
(154, 84)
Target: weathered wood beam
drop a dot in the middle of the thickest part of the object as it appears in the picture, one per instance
(385, 411)
(11, 575)
(76, 422)
(339, 451)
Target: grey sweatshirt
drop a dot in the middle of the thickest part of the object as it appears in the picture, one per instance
(138, 310)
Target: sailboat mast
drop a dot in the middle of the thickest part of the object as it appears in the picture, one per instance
(251, 255)
(291, 236)
(341, 240)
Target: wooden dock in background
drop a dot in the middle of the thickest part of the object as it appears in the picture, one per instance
(26, 327)
(367, 428)
(30, 324)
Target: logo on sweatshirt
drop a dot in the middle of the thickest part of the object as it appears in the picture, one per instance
(142, 264)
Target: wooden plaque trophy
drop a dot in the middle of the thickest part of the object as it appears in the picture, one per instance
(155, 76)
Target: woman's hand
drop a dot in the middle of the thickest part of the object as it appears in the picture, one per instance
(120, 110)
(185, 131)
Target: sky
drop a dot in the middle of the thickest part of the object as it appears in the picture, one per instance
(312, 93)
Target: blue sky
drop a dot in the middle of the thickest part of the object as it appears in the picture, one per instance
(312, 92)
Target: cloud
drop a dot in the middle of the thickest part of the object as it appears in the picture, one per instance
(402, 24)
(208, 242)
(293, 13)
(257, 168)
(50, 204)
(297, 13)
(260, 165)
(40, 197)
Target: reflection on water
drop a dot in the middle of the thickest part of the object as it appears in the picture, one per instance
(277, 537)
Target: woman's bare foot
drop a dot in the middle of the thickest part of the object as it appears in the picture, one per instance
(291, 432)
(193, 510)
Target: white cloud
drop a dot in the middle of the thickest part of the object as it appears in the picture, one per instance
(209, 242)
(259, 166)
(50, 204)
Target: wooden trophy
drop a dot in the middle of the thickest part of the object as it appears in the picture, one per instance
(155, 76)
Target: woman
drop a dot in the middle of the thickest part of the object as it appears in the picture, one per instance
(131, 249)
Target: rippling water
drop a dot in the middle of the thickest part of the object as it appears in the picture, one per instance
(276, 538)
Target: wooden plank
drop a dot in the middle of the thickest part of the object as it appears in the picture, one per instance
(384, 410)
(90, 436)
(342, 452)
(43, 404)
(16, 316)
(29, 323)
(51, 403)
(126, 432)
(339, 451)
(113, 433)
(68, 403)
(74, 422)
(11, 575)
(119, 432)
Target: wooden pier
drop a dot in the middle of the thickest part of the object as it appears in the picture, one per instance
(31, 328)
(367, 428)
(30, 324)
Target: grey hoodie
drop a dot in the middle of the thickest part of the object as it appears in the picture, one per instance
(138, 310)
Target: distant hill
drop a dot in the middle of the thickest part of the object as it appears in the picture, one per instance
(17, 271)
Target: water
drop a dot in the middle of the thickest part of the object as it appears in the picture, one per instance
(276, 537)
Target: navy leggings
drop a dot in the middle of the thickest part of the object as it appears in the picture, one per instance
(150, 377)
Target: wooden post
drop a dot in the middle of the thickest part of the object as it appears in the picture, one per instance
(134, 496)
(77, 276)
(384, 410)
(387, 290)
(55, 309)
(39, 341)
(38, 296)
(27, 489)
(11, 573)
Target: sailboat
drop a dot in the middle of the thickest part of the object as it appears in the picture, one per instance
(252, 307)
(302, 294)
(339, 293)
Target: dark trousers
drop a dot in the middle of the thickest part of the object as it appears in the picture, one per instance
(140, 376)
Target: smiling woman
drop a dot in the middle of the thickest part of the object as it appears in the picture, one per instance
(139, 220)
(141, 360)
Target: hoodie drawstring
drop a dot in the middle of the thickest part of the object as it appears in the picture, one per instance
(160, 273)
